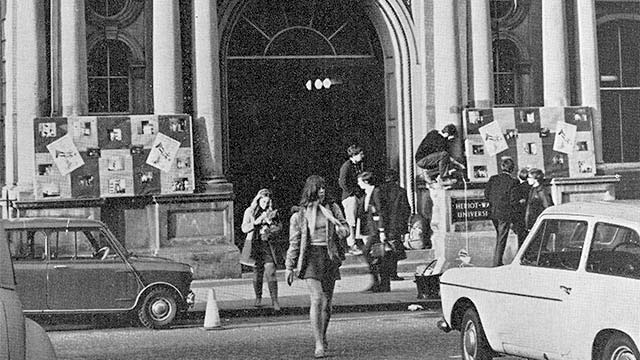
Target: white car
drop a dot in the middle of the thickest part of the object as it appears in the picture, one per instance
(571, 291)
(20, 338)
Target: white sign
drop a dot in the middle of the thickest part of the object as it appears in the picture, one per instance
(65, 154)
(565, 140)
(163, 152)
(494, 141)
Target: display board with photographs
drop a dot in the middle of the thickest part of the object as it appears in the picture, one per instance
(111, 156)
(558, 140)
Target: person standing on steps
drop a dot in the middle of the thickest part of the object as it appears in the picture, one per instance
(498, 192)
(396, 213)
(351, 192)
(315, 253)
(371, 216)
(262, 226)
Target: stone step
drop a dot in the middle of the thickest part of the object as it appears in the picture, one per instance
(357, 265)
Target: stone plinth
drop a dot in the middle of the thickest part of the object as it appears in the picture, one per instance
(584, 189)
(196, 229)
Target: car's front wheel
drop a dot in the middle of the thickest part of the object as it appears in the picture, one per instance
(473, 342)
(158, 309)
(619, 347)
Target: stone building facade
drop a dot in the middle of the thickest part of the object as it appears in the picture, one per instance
(278, 89)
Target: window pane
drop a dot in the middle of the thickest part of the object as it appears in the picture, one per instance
(505, 90)
(558, 244)
(611, 149)
(64, 247)
(615, 250)
(118, 58)
(119, 95)
(85, 247)
(630, 45)
(609, 61)
(6, 268)
(500, 8)
(98, 95)
(97, 60)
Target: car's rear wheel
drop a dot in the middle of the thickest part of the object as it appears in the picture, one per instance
(473, 342)
(158, 309)
(619, 347)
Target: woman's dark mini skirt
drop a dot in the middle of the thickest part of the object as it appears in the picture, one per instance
(319, 266)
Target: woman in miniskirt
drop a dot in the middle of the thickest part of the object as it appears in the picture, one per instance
(315, 253)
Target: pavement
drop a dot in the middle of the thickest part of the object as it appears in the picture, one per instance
(235, 297)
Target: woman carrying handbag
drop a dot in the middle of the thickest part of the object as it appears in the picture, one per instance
(262, 226)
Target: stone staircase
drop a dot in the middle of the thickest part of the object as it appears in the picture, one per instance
(357, 264)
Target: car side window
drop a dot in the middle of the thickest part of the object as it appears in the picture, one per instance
(81, 244)
(556, 244)
(62, 245)
(26, 245)
(615, 250)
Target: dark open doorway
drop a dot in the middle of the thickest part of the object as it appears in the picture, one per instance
(304, 81)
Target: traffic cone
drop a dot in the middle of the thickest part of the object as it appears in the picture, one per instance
(211, 315)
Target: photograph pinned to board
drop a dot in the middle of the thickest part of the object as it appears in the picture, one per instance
(163, 152)
(65, 155)
(494, 141)
(565, 138)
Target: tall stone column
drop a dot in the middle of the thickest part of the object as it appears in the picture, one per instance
(167, 71)
(25, 88)
(207, 122)
(73, 56)
(481, 54)
(446, 64)
(589, 73)
(447, 97)
(554, 53)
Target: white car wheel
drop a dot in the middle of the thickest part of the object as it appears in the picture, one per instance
(619, 347)
(472, 340)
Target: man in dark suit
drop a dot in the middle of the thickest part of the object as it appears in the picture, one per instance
(519, 195)
(498, 192)
(396, 213)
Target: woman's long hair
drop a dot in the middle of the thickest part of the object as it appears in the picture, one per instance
(255, 204)
(312, 186)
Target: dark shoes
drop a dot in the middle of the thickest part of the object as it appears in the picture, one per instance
(397, 278)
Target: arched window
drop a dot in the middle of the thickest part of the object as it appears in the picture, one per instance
(500, 9)
(107, 8)
(619, 60)
(108, 77)
(505, 78)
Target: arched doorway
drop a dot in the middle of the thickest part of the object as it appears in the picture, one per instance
(304, 80)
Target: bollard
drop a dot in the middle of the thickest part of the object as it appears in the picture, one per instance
(211, 315)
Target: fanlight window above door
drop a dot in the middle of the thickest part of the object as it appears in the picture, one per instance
(303, 28)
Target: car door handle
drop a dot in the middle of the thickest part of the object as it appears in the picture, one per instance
(60, 266)
(566, 289)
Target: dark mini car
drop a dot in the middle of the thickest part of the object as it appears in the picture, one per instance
(74, 266)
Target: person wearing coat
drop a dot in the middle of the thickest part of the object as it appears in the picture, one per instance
(371, 216)
(519, 196)
(539, 197)
(498, 192)
(261, 225)
(396, 215)
(317, 228)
